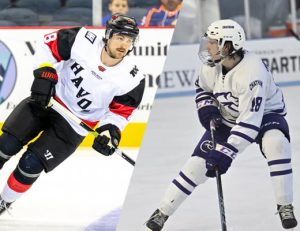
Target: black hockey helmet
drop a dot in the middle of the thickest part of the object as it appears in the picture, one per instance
(121, 24)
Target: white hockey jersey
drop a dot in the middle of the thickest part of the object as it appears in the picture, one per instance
(88, 88)
(243, 95)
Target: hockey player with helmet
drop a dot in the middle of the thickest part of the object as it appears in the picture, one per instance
(237, 91)
(94, 79)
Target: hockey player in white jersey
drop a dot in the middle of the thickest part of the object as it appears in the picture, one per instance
(94, 79)
(237, 91)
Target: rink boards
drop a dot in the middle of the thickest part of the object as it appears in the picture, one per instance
(177, 79)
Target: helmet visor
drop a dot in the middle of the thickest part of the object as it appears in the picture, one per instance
(203, 53)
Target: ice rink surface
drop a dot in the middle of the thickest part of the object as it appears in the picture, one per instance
(172, 133)
(82, 189)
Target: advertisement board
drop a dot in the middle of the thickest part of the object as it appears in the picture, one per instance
(182, 65)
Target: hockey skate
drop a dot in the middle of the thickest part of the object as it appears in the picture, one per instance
(4, 205)
(287, 217)
(156, 221)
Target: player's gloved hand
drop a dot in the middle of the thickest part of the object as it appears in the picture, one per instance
(108, 140)
(43, 86)
(208, 113)
(221, 158)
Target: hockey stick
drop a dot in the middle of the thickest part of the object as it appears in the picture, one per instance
(294, 34)
(218, 178)
(59, 108)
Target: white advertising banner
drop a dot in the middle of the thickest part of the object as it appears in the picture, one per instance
(17, 47)
(180, 71)
(282, 56)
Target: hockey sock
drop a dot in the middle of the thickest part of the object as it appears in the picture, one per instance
(278, 152)
(13, 190)
(26, 173)
(191, 175)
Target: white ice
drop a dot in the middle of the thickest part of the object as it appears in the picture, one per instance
(171, 135)
(81, 190)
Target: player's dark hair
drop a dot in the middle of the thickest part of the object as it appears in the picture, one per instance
(234, 53)
(121, 24)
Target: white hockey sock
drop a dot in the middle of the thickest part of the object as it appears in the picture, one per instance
(278, 152)
(13, 189)
(191, 175)
(10, 195)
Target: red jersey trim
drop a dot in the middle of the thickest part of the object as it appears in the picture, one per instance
(91, 124)
(16, 185)
(120, 109)
(52, 44)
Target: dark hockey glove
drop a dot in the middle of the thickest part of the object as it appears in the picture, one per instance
(221, 158)
(43, 86)
(107, 140)
(208, 113)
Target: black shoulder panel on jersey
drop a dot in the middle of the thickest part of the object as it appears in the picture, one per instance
(134, 97)
(66, 38)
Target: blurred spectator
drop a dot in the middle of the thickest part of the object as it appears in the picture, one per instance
(63, 3)
(165, 15)
(12, 3)
(115, 6)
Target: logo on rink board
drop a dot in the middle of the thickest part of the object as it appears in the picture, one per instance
(8, 72)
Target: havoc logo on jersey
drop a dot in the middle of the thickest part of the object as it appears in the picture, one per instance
(134, 71)
(83, 102)
(255, 83)
(90, 36)
(206, 146)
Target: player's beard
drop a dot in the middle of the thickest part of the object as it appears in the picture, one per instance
(115, 54)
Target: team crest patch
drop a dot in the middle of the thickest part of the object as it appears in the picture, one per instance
(255, 83)
(134, 71)
(206, 146)
(101, 68)
(90, 36)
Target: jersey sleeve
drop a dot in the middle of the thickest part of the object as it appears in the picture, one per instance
(122, 107)
(55, 47)
(204, 89)
(252, 98)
